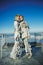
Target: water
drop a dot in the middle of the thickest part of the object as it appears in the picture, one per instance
(9, 38)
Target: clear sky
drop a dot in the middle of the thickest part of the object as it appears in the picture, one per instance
(32, 10)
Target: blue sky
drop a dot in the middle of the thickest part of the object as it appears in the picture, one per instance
(32, 10)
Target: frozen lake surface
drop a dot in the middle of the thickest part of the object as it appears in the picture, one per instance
(36, 59)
